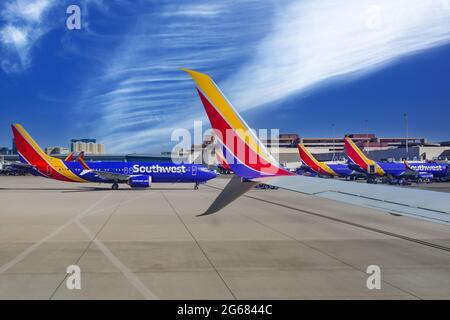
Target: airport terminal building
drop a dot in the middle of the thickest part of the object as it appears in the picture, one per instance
(332, 149)
(285, 147)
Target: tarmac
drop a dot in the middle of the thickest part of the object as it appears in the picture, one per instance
(149, 244)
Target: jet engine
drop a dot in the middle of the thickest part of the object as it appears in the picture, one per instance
(140, 181)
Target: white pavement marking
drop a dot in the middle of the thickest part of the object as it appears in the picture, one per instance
(86, 213)
(132, 278)
(111, 206)
(35, 245)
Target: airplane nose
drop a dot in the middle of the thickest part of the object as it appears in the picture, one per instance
(212, 175)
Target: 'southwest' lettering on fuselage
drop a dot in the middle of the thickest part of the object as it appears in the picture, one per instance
(421, 167)
(156, 168)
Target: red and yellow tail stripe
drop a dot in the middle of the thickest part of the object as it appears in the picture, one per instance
(407, 165)
(80, 159)
(49, 166)
(309, 160)
(359, 158)
(69, 157)
(234, 133)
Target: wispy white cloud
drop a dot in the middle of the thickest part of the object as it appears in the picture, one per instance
(314, 42)
(27, 10)
(24, 25)
(278, 50)
(12, 35)
(197, 10)
(143, 95)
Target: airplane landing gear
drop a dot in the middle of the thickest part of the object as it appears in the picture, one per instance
(372, 180)
(196, 186)
(115, 186)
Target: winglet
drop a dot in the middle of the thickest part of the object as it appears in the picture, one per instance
(233, 190)
(80, 159)
(245, 154)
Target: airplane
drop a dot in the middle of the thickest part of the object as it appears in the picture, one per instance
(222, 162)
(135, 174)
(253, 164)
(421, 175)
(329, 169)
(435, 169)
(69, 157)
(396, 170)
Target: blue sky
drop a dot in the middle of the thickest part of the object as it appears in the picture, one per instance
(294, 65)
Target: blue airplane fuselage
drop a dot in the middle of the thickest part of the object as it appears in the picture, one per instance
(397, 169)
(435, 168)
(341, 169)
(158, 171)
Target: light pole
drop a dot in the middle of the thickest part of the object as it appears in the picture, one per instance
(405, 115)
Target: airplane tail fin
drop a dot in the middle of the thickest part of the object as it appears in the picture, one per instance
(28, 148)
(80, 159)
(45, 165)
(407, 165)
(243, 151)
(69, 157)
(356, 155)
(309, 160)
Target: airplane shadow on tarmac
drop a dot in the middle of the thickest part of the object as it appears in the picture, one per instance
(109, 189)
(89, 189)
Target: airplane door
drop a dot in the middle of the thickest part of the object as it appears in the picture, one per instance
(49, 170)
(371, 169)
(194, 170)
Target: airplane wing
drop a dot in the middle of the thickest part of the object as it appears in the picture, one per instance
(252, 163)
(19, 165)
(105, 175)
(16, 165)
(110, 176)
(428, 205)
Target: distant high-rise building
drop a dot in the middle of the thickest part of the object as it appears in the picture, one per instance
(14, 147)
(89, 146)
(56, 150)
(5, 151)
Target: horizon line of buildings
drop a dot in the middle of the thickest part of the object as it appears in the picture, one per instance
(284, 147)
(366, 141)
(89, 146)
